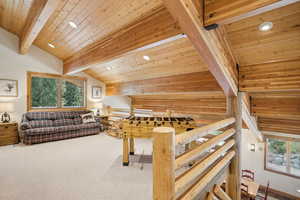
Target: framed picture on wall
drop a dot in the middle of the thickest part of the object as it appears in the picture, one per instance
(8, 88)
(96, 92)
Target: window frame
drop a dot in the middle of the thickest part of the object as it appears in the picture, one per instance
(288, 141)
(30, 75)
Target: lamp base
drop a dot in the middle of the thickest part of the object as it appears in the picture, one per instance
(5, 118)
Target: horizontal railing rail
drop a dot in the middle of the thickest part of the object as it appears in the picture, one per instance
(196, 167)
(189, 136)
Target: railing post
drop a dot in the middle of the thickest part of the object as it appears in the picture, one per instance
(234, 185)
(163, 163)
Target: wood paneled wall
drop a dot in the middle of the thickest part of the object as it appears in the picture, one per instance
(193, 82)
(277, 111)
(277, 107)
(279, 125)
(195, 105)
(279, 76)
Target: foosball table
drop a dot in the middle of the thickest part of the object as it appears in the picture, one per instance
(142, 127)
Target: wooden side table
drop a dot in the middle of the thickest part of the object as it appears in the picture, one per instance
(103, 121)
(9, 133)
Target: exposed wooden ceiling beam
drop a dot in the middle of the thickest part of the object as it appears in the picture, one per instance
(92, 74)
(250, 121)
(188, 83)
(152, 30)
(207, 43)
(40, 12)
(228, 11)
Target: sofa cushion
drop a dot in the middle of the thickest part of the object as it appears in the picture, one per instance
(40, 123)
(40, 116)
(41, 131)
(69, 115)
(63, 122)
(77, 121)
(67, 128)
(89, 125)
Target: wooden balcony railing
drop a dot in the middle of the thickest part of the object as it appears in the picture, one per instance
(175, 178)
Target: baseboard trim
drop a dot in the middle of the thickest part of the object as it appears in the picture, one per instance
(277, 193)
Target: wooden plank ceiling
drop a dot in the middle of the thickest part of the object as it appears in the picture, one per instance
(13, 14)
(111, 38)
(269, 66)
(173, 58)
(95, 20)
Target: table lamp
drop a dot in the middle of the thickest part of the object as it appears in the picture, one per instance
(6, 108)
(98, 106)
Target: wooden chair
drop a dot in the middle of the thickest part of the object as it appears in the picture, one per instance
(265, 197)
(244, 191)
(248, 174)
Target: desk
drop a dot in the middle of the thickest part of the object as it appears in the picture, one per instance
(252, 187)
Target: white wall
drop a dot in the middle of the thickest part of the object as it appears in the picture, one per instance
(14, 66)
(92, 82)
(255, 161)
(117, 101)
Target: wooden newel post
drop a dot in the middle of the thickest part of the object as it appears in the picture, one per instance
(234, 168)
(163, 163)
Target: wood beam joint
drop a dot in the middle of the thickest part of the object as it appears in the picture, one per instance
(39, 14)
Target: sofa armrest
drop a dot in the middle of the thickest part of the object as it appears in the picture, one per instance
(25, 126)
(25, 123)
(97, 119)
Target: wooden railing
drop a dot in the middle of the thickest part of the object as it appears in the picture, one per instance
(120, 113)
(194, 173)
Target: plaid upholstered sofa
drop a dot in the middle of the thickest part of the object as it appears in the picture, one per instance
(38, 127)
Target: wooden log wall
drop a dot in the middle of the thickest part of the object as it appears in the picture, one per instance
(192, 82)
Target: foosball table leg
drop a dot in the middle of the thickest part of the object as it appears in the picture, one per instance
(125, 152)
(131, 141)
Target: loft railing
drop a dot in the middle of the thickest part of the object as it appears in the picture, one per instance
(188, 175)
(121, 113)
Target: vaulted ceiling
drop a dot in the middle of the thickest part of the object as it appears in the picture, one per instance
(113, 37)
(95, 20)
(173, 58)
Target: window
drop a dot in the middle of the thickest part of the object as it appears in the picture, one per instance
(283, 156)
(49, 91)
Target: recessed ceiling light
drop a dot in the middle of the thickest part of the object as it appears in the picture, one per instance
(109, 68)
(146, 57)
(298, 190)
(72, 24)
(51, 45)
(266, 26)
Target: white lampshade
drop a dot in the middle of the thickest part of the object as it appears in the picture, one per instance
(6, 107)
(98, 105)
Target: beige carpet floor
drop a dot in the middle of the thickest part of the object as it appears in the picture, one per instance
(87, 168)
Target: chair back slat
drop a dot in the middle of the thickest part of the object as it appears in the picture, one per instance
(267, 191)
(248, 174)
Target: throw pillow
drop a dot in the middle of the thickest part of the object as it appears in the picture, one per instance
(88, 118)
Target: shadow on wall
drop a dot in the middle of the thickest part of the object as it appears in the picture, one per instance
(117, 101)
(35, 54)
